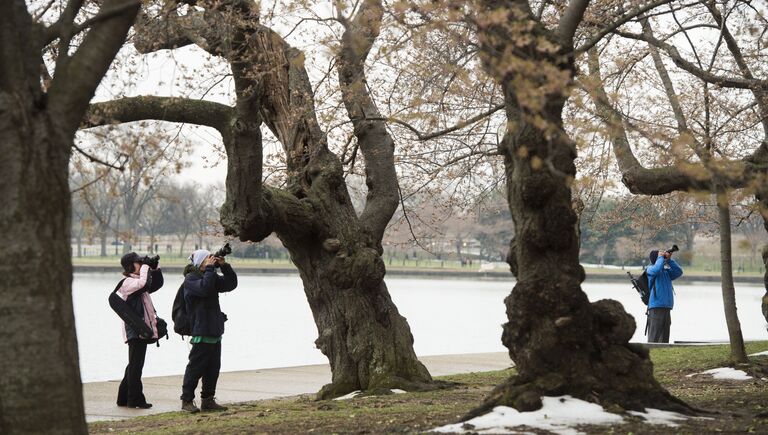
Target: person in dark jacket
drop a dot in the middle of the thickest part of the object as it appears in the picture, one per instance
(661, 273)
(202, 286)
(140, 280)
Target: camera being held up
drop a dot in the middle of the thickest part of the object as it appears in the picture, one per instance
(669, 252)
(223, 252)
(152, 262)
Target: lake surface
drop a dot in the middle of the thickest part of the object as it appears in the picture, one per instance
(270, 323)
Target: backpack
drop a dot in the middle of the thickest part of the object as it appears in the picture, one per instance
(641, 285)
(128, 315)
(179, 315)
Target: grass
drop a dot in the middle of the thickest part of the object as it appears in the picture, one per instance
(742, 405)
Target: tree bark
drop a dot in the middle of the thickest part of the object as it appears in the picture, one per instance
(560, 342)
(738, 353)
(40, 389)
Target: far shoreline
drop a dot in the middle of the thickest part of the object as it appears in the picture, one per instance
(600, 275)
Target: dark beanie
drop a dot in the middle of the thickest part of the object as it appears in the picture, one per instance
(653, 256)
(128, 260)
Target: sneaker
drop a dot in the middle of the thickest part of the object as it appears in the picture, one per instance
(209, 404)
(144, 405)
(189, 406)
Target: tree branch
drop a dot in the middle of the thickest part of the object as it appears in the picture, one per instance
(170, 109)
(375, 143)
(761, 97)
(570, 21)
(632, 14)
(671, 51)
(73, 88)
(659, 181)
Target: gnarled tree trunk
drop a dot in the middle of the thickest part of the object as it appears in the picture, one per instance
(560, 342)
(338, 254)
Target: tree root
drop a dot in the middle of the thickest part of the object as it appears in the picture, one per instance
(527, 396)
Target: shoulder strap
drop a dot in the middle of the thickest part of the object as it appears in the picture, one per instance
(119, 284)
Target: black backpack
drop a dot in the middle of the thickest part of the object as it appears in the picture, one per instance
(641, 285)
(126, 313)
(179, 315)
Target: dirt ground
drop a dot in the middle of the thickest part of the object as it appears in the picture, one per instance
(728, 406)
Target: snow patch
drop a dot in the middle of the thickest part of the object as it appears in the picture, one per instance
(356, 393)
(725, 373)
(658, 416)
(350, 395)
(557, 415)
(763, 353)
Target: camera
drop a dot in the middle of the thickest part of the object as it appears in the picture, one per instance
(223, 252)
(150, 261)
(674, 248)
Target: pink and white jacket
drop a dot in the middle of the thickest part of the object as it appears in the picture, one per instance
(132, 284)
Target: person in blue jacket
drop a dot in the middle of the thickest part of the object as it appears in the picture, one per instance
(202, 286)
(662, 271)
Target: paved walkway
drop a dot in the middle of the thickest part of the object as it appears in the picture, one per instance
(163, 392)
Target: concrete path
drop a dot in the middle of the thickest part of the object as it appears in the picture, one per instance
(163, 392)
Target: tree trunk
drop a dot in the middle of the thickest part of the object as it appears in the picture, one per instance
(368, 343)
(560, 342)
(738, 353)
(79, 245)
(152, 243)
(103, 241)
(40, 388)
(183, 240)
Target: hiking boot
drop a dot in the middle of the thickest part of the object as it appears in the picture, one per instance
(189, 406)
(209, 404)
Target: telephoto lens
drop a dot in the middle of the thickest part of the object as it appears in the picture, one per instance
(224, 251)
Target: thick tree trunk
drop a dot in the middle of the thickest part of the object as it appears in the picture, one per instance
(368, 343)
(738, 353)
(37, 340)
(560, 342)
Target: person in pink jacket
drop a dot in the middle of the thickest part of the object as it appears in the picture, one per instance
(140, 280)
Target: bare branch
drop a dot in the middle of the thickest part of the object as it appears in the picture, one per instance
(632, 14)
(682, 63)
(170, 109)
(95, 159)
(73, 88)
(375, 143)
(570, 21)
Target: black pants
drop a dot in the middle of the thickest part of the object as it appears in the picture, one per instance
(131, 391)
(659, 321)
(205, 363)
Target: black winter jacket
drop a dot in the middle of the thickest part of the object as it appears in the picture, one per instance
(155, 280)
(201, 294)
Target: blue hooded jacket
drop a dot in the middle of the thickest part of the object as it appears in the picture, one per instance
(660, 283)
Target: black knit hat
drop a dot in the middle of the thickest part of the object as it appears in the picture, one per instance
(653, 256)
(128, 260)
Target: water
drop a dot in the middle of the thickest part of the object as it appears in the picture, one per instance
(270, 323)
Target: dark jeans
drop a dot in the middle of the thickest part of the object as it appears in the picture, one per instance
(131, 391)
(659, 321)
(205, 363)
